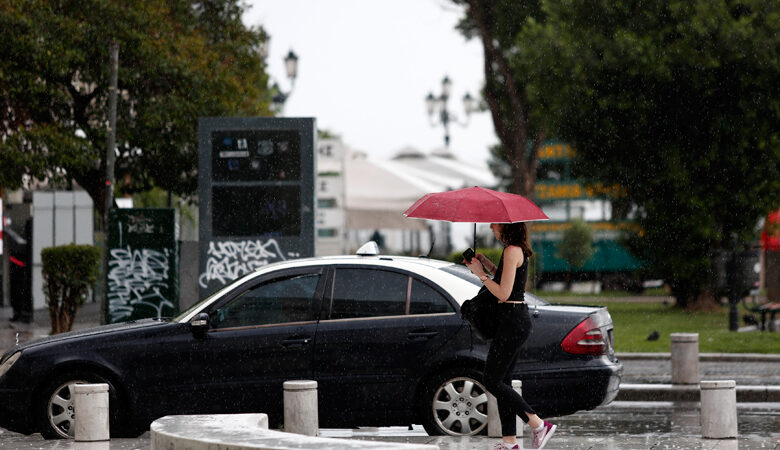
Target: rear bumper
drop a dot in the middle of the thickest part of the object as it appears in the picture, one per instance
(16, 411)
(566, 391)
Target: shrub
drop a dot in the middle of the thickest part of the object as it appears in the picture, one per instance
(68, 273)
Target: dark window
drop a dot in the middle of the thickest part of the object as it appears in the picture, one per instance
(276, 301)
(326, 203)
(256, 211)
(368, 293)
(326, 232)
(426, 300)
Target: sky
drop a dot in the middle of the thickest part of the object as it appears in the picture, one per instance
(366, 66)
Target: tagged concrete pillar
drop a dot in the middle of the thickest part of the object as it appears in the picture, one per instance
(494, 422)
(90, 406)
(718, 409)
(685, 358)
(301, 413)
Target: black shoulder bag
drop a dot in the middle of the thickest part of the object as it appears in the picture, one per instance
(481, 313)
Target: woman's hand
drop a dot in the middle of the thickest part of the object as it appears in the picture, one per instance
(475, 267)
(487, 264)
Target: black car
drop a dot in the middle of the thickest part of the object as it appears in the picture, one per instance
(382, 336)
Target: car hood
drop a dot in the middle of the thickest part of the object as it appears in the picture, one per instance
(99, 330)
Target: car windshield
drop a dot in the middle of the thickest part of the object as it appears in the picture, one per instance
(464, 273)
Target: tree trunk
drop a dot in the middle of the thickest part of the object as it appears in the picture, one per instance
(501, 91)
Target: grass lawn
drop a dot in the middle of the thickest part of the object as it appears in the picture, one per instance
(634, 321)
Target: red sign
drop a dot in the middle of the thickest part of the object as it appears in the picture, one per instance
(770, 237)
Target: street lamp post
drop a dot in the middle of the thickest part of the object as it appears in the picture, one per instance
(437, 106)
(291, 65)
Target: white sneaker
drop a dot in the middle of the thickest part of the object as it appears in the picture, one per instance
(505, 446)
(542, 436)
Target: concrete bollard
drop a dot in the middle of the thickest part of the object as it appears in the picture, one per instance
(90, 407)
(494, 422)
(517, 385)
(685, 358)
(301, 413)
(718, 409)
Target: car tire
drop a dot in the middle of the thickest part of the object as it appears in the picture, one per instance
(55, 413)
(454, 402)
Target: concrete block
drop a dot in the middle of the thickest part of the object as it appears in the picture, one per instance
(719, 409)
(249, 432)
(301, 414)
(685, 358)
(90, 405)
(494, 423)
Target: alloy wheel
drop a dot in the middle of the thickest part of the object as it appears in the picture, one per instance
(460, 406)
(60, 409)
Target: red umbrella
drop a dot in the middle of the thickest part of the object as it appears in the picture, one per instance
(475, 204)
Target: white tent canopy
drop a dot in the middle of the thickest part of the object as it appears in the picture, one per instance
(379, 191)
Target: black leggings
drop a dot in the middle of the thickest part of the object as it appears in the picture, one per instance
(514, 326)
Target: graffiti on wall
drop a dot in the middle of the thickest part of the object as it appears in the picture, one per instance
(228, 260)
(138, 280)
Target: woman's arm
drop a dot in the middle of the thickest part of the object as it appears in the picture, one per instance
(513, 258)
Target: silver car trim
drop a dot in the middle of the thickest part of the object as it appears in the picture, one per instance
(267, 325)
(387, 317)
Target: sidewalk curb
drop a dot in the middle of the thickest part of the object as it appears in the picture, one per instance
(691, 392)
(735, 357)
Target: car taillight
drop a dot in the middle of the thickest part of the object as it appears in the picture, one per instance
(585, 339)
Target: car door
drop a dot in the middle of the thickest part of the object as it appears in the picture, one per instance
(259, 336)
(379, 329)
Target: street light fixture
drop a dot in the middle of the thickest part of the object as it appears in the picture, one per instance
(291, 65)
(438, 105)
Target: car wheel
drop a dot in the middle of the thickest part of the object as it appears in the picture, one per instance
(455, 403)
(56, 415)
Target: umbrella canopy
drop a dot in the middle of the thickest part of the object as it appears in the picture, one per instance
(475, 204)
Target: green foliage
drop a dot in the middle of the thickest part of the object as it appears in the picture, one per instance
(676, 101)
(492, 253)
(68, 273)
(576, 245)
(178, 60)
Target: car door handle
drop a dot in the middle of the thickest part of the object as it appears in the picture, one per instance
(299, 342)
(419, 335)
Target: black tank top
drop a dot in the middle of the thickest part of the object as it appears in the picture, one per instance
(521, 275)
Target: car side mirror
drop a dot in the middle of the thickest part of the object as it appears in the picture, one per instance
(200, 324)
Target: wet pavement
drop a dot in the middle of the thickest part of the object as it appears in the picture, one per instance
(621, 425)
(763, 370)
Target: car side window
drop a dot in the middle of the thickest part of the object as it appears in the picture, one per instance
(368, 293)
(426, 300)
(281, 300)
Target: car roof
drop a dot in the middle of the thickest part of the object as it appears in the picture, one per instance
(408, 262)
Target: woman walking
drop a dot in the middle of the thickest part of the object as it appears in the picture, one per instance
(513, 326)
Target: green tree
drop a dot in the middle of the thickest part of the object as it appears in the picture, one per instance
(178, 60)
(575, 247)
(497, 23)
(69, 271)
(676, 101)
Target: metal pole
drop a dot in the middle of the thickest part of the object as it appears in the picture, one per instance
(110, 159)
(111, 146)
(734, 293)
